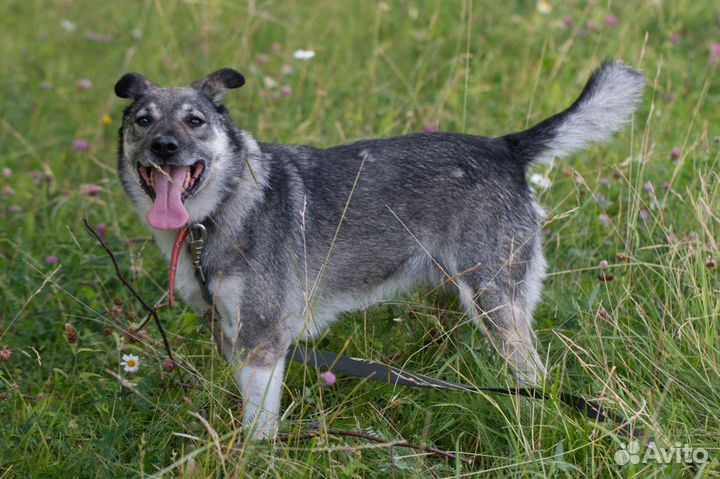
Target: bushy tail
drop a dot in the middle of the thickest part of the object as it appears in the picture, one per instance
(606, 104)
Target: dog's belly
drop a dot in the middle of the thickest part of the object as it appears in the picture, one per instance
(333, 299)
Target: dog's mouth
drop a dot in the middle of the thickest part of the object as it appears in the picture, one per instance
(169, 187)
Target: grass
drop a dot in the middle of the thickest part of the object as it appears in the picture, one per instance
(646, 343)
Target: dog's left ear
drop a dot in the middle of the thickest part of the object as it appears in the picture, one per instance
(216, 84)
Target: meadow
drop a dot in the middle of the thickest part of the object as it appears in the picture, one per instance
(629, 315)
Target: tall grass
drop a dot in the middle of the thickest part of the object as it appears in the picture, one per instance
(645, 344)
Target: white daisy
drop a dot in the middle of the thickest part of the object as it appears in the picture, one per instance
(130, 363)
(540, 181)
(303, 54)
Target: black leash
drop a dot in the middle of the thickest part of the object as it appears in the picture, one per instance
(380, 372)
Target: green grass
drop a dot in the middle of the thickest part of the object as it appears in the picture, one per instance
(381, 69)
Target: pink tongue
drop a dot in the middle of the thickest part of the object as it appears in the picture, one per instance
(168, 211)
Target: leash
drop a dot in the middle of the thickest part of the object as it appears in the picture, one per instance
(380, 372)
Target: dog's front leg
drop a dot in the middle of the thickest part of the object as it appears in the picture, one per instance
(260, 383)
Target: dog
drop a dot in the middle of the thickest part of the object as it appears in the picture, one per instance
(298, 234)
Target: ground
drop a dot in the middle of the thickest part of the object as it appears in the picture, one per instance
(644, 340)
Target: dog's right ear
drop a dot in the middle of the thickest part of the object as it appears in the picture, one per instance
(133, 85)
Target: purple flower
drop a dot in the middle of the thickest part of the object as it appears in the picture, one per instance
(605, 220)
(83, 84)
(328, 378)
(670, 239)
(286, 90)
(675, 153)
(35, 175)
(8, 191)
(7, 172)
(593, 25)
(604, 182)
(648, 186)
(674, 38)
(603, 264)
(429, 129)
(51, 259)
(611, 21)
(101, 229)
(90, 189)
(80, 145)
(568, 22)
(15, 209)
(667, 186)
(644, 214)
(287, 69)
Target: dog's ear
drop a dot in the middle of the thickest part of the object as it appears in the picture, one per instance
(133, 85)
(216, 84)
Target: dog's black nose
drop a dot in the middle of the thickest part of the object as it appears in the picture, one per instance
(164, 146)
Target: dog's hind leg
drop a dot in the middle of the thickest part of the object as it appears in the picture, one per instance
(500, 297)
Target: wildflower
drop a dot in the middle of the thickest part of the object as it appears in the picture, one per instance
(667, 186)
(644, 214)
(603, 264)
(544, 7)
(603, 314)
(611, 21)
(168, 365)
(134, 334)
(115, 311)
(8, 191)
(286, 69)
(303, 54)
(276, 47)
(45, 85)
(270, 82)
(605, 182)
(7, 172)
(286, 91)
(130, 363)
(51, 259)
(106, 331)
(429, 129)
(71, 333)
(90, 189)
(714, 53)
(328, 378)
(605, 220)
(68, 26)
(261, 59)
(101, 229)
(98, 37)
(5, 353)
(136, 34)
(15, 209)
(105, 119)
(674, 38)
(670, 239)
(710, 262)
(594, 26)
(35, 175)
(540, 181)
(675, 153)
(80, 145)
(648, 186)
(83, 84)
(568, 22)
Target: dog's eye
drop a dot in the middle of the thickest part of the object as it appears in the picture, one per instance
(144, 120)
(195, 121)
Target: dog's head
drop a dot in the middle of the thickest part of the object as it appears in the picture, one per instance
(175, 144)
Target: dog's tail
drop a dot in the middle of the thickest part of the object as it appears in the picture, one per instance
(606, 104)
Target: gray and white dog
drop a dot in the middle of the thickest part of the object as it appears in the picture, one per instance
(298, 234)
